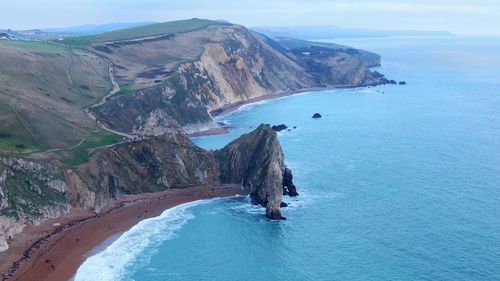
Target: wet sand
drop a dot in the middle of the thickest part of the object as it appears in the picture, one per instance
(232, 107)
(54, 252)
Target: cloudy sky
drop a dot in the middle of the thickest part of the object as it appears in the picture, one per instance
(458, 16)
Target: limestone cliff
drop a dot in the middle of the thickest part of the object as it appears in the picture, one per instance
(32, 191)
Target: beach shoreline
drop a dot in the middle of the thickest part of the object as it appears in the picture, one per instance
(230, 108)
(55, 249)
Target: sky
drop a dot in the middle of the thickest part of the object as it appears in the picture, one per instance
(471, 17)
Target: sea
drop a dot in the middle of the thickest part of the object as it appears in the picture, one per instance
(395, 182)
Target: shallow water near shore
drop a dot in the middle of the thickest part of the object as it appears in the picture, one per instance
(395, 183)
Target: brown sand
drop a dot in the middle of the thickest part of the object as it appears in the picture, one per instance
(48, 252)
(234, 106)
(209, 132)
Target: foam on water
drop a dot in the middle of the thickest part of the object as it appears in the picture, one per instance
(399, 186)
(105, 265)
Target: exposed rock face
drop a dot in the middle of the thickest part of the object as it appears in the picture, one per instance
(288, 187)
(180, 79)
(33, 191)
(155, 164)
(316, 116)
(256, 161)
(30, 192)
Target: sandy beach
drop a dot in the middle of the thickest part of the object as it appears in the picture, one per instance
(234, 106)
(55, 249)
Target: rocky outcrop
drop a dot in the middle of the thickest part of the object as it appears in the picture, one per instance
(154, 164)
(279, 128)
(289, 187)
(256, 161)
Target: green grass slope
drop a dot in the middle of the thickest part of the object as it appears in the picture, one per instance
(44, 89)
(173, 27)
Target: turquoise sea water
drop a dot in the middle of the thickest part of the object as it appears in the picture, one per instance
(395, 183)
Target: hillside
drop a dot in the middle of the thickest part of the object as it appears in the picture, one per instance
(169, 77)
(89, 120)
(371, 59)
(43, 90)
(172, 81)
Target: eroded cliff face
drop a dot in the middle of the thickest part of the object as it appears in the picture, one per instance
(223, 65)
(155, 164)
(256, 161)
(32, 191)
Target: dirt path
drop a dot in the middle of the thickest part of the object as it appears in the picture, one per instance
(115, 89)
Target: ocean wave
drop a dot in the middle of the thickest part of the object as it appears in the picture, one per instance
(245, 205)
(249, 106)
(106, 266)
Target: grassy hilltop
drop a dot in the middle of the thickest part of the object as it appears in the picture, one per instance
(173, 27)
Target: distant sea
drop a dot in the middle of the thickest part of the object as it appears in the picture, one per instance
(395, 183)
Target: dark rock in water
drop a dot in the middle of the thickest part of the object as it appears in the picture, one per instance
(279, 128)
(393, 82)
(316, 115)
(288, 187)
(283, 204)
(295, 127)
(402, 83)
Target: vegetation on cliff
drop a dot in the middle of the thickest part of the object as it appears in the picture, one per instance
(96, 117)
(31, 191)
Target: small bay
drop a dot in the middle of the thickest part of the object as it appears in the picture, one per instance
(395, 182)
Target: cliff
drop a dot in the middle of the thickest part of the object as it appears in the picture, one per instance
(256, 161)
(172, 83)
(150, 84)
(32, 191)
